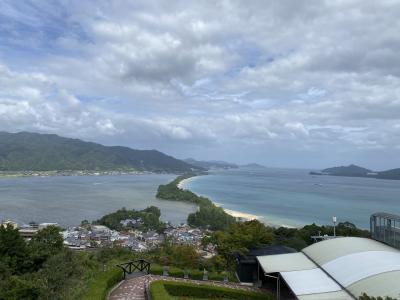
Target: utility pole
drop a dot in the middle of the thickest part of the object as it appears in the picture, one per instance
(334, 219)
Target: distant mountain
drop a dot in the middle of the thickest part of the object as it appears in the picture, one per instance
(389, 174)
(351, 170)
(357, 171)
(211, 164)
(253, 166)
(46, 152)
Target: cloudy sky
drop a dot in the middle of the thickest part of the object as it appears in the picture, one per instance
(283, 83)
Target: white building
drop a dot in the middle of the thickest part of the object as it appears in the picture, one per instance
(337, 269)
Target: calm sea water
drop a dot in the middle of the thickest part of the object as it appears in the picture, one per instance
(69, 200)
(293, 197)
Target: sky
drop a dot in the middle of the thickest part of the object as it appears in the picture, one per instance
(304, 84)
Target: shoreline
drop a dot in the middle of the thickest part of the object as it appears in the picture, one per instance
(235, 213)
(69, 173)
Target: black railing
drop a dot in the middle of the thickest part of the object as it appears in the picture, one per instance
(136, 266)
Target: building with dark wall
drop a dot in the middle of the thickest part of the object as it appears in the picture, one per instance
(247, 265)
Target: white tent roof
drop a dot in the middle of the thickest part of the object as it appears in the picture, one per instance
(357, 266)
(285, 262)
(325, 251)
(339, 295)
(383, 285)
(313, 281)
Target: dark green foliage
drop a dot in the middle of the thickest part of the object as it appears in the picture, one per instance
(300, 238)
(46, 243)
(165, 290)
(366, 297)
(181, 256)
(171, 191)
(62, 276)
(239, 238)
(13, 251)
(41, 268)
(45, 152)
(105, 255)
(19, 288)
(150, 217)
(208, 215)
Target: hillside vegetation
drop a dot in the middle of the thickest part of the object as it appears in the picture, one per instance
(46, 152)
(357, 171)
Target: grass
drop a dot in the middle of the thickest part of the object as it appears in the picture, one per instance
(171, 290)
(101, 283)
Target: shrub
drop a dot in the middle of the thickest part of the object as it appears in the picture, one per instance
(166, 290)
(156, 269)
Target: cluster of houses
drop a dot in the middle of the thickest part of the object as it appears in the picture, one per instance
(131, 237)
(98, 236)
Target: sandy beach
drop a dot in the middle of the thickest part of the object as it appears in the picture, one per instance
(182, 183)
(233, 213)
(241, 215)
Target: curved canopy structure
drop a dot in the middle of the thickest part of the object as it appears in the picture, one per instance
(354, 267)
(328, 250)
(340, 268)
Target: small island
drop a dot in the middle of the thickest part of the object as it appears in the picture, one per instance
(357, 171)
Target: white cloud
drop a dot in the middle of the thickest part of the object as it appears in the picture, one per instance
(179, 76)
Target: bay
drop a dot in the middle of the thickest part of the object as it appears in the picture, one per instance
(292, 197)
(68, 200)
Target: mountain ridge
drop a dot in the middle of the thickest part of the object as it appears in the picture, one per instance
(24, 151)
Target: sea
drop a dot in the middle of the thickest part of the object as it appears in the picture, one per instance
(67, 200)
(280, 197)
(292, 197)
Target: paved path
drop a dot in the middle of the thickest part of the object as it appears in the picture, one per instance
(130, 289)
(133, 289)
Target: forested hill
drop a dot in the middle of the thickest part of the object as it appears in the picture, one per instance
(356, 171)
(351, 170)
(45, 152)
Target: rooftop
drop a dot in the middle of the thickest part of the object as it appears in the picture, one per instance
(341, 268)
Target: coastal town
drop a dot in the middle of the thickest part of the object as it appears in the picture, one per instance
(28, 173)
(89, 237)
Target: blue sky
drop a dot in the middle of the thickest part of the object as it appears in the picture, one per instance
(283, 83)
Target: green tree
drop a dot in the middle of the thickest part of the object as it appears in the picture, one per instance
(18, 288)
(62, 276)
(239, 238)
(46, 243)
(13, 250)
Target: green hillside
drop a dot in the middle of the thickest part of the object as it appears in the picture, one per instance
(351, 170)
(45, 152)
